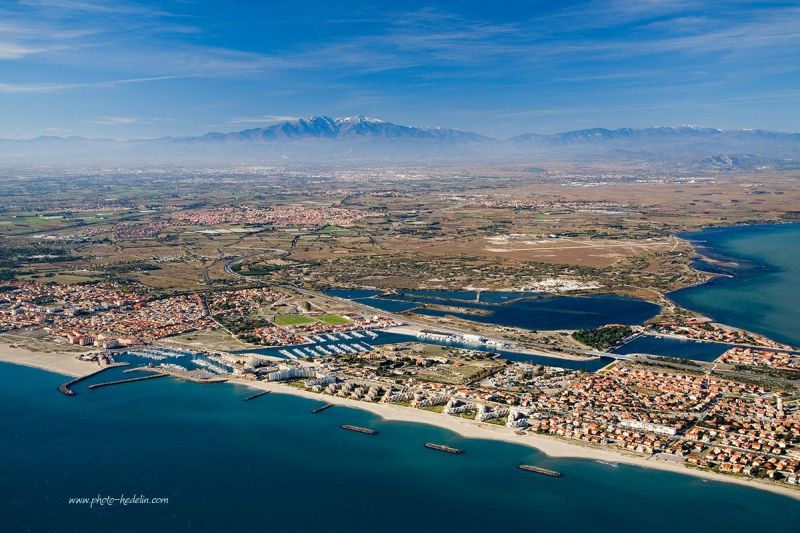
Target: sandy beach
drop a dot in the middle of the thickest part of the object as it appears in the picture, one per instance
(59, 362)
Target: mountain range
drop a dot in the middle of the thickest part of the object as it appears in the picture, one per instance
(359, 138)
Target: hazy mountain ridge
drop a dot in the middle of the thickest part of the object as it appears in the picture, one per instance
(362, 138)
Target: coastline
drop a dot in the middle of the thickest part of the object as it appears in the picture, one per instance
(552, 446)
(66, 364)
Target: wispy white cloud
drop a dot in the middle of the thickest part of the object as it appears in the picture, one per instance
(54, 87)
(263, 119)
(90, 6)
(112, 120)
(17, 51)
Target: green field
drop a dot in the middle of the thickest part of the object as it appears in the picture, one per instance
(333, 320)
(292, 320)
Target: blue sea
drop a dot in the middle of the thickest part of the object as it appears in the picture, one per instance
(761, 291)
(270, 465)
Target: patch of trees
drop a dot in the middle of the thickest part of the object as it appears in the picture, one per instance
(602, 338)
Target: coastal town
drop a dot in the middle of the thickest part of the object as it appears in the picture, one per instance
(497, 311)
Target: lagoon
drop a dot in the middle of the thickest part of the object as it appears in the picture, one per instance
(535, 311)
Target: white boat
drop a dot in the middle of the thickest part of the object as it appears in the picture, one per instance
(331, 337)
(345, 336)
(285, 352)
(356, 334)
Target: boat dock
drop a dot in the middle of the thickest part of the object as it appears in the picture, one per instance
(540, 470)
(320, 409)
(257, 395)
(66, 389)
(443, 448)
(186, 375)
(121, 381)
(357, 429)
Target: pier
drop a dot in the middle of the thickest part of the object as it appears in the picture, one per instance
(257, 395)
(121, 381)
(66, 389)
(357, 429)
(320, 409)
(443, 448)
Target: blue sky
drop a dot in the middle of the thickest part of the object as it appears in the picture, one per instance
(125, 68)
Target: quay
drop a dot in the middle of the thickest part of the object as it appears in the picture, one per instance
(443, 448)
(320, 409)
(66, 389)
(357, 429)
(131, 380)
(256, 395)
(186, 375)
(540, 470)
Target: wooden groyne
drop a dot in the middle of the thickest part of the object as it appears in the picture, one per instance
(320, 409)
(121, 381)
(540, 470)
(66, 388)
(257, 395)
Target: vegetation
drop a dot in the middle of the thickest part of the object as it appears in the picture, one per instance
(333, 320)
(292, 320)
(602, 338)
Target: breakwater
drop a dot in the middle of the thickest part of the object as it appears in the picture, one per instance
(540, 470)
(320, 409)
(66, 388)
(357, 429)
(443, 448)
(130, 380)
(257, 395)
